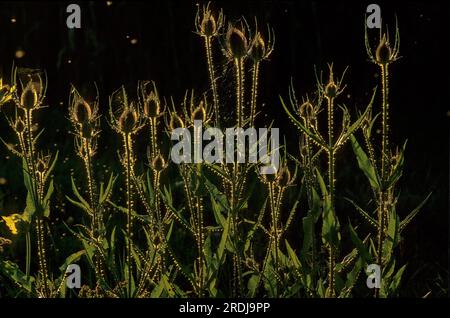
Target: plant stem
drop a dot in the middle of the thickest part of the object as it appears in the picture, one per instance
(128, 151)
(255, 77)
(37, 200)
(239, 64)
(385, 118)
(331, 160)
(212, 77)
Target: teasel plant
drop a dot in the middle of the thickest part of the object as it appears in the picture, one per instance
(260, 50)
(154, 262)
(127, 121)
(203, 278)
(236, 49)
(330, 145)
(37, 169)
(276, 185)
(383, 172)
(85, 119)
(209, 26)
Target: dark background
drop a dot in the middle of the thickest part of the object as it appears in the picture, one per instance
(308, 33)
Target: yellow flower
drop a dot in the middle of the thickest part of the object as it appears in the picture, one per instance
(11, 222)
(6, 92)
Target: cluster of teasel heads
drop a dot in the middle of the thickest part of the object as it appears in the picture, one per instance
(28, 93)
(152, 269)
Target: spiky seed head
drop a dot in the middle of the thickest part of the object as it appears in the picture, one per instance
(258, 48)
(284, 177)
(175, 122)
(199, 113)
(383, 52)
(29, 97)
(158, 163)
(236, 43)
(41, 166)
(331, 89)
(19, 125)
(82, 112)
(306, 110)
(208, 26)
(152, 107)
(128, 121)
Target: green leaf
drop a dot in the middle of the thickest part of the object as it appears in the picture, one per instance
(12, 271)
(352, 278)
(73, 258)
(395, 283)
(80, 197)
(293, 257)
(104, 194)
(252, 285)
(364, 164)
(392, 235)
(47, 197)
(52, 166)
(364, 214)
(223, 240)
(413, 213)
(360, 246)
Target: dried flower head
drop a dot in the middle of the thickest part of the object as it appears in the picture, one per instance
(19, 125)
(31, 95)
(175, 121)
(158, 163)
(236, 44)
(284, 177)
(385, 53)
(199, 113)
(333, 87)
(207, 23)
(149, 99)
(261, 49)
(128, 120)
(82, 112)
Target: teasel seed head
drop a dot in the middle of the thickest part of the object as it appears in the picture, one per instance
(208, 26)
(236, 43)
(258, 48)
(29, 98)
(331, 89)
(383, 53)
(19, 126)
(158, 163)
(175, 121)
(284, 177)
(306, 110)
(128, 121)
(41, 166)
(82, 112)
(152, 108)
(207, 23)
(199, 113)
